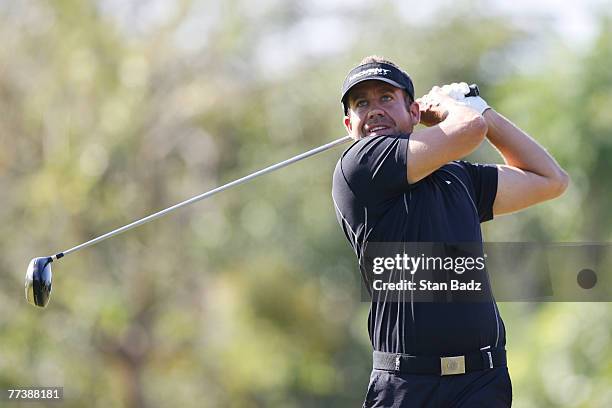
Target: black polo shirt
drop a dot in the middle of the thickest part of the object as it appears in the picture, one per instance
(375, 203)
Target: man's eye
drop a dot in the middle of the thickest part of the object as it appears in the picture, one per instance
(361, 103)
(386, 98)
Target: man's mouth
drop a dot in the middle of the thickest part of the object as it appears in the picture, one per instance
(376, 129)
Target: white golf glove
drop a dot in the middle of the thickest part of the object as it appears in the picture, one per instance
(457, 91)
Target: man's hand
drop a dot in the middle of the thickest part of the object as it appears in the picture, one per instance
(459, 90)
(434, 106)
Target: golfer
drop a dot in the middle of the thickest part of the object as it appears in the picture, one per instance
(395, 184)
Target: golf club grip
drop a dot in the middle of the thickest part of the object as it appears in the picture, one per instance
(474, 91)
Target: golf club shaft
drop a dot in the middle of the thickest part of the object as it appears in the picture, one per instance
(202, 196)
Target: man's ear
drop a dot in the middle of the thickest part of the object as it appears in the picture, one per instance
(415, 112)
(347, 123)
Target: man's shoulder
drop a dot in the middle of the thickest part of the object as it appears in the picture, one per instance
(371, 147)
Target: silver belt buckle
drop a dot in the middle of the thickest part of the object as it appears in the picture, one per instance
(398, 362)
(452, 365)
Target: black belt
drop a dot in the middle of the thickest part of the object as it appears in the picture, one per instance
(486, 358)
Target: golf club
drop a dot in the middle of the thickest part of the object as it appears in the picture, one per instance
(38, 279)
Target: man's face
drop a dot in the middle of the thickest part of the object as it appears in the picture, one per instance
(377, 108)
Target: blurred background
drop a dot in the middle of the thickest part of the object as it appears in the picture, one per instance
(111, 110)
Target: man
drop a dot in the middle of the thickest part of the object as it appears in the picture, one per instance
(394, 184)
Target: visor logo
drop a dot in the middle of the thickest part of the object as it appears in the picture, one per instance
(371, 71)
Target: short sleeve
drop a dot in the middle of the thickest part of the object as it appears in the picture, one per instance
(484, 181)
(375, 168)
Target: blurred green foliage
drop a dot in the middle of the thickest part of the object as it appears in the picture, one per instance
(110, 111)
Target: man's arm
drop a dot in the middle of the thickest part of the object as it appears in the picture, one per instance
(531, 175)
(455, 131)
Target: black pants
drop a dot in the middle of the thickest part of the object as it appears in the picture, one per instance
(487, 389)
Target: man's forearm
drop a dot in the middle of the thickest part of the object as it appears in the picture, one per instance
(454, 132)
(520, 150)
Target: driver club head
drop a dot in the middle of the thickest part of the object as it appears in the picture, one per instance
(38, 281)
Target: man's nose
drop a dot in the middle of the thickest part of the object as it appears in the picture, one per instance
(375, 111)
